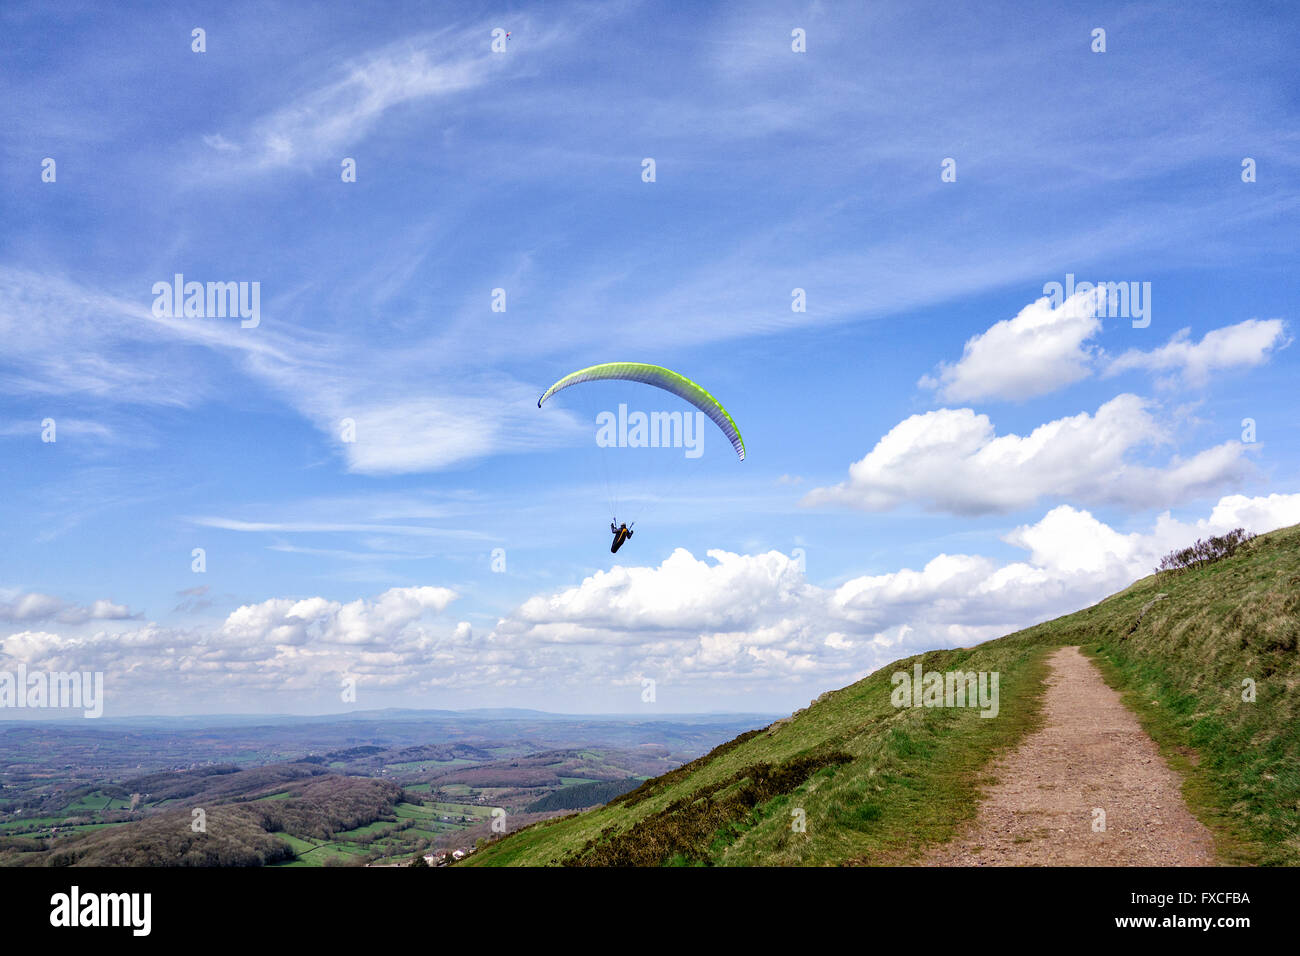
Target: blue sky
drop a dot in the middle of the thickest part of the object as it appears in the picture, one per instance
(936, 455)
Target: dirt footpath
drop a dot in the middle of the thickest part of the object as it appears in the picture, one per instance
(1089, 754)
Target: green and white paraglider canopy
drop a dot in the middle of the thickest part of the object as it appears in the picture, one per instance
(659, 377)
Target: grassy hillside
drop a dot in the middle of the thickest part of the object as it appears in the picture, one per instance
(1183, 670)
(877, 784)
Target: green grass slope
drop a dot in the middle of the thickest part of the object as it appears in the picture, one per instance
(875, 784)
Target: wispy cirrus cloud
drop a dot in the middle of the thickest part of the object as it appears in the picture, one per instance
(234, 524)
(64, 337)
(441, 66)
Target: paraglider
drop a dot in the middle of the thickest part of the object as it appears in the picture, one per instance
(621, 534)
(661, 378)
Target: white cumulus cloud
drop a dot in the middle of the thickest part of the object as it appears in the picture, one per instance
(33, 606)
(743, 618)
(1040, 350)
(1244, 345)
(725, 623)
(952, 460)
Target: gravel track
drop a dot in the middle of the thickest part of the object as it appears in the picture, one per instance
(1090, 753)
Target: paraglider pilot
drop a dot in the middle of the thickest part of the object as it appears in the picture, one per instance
(621, 534)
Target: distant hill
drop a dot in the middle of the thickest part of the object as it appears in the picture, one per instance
(387, 716)
(350, 794)
(854, 779)
(252, 832)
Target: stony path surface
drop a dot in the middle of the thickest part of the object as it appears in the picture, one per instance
(1090, 754)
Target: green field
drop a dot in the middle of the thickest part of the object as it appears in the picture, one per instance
(98, 801)
(384, 838)
(422, 765)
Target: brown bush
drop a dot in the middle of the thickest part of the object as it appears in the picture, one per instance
(684, 830)
(1204, 552)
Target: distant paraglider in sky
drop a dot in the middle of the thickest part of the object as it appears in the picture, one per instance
(658, 377)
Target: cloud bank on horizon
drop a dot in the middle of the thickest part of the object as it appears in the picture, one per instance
(703, 626)
(358, 486)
